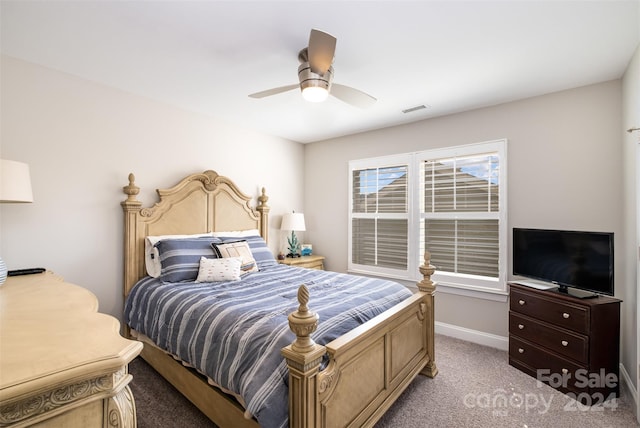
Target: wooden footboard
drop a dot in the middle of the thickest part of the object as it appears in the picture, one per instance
(368, 367)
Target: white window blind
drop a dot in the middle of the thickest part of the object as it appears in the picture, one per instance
(461, 213)
(379, 217)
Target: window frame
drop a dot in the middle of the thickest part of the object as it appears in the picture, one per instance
(415, 217)
(379, 162)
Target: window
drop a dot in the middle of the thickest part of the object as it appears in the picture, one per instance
(449, 202)
(380, 217)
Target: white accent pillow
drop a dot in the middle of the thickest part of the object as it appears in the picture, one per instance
(214, 270)
(151, 255)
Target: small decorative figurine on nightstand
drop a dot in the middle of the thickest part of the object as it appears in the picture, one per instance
(306, 250)
(280, 255)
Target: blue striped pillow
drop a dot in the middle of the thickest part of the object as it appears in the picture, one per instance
(261, 252)
(180, 258)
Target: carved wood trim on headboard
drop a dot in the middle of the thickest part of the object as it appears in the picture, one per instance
(199, 203)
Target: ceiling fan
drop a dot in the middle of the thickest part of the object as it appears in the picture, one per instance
(316, 75)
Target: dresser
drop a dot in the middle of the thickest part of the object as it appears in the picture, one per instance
(62, 363)
(571, 344)
(310, 262)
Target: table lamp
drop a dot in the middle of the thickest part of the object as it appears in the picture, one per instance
(293, 222)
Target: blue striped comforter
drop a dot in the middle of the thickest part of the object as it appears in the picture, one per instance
(233, 331)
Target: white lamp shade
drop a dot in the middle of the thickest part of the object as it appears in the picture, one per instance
(293, 221)
(15, 182)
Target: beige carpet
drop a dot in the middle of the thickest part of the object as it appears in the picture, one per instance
(475, 387)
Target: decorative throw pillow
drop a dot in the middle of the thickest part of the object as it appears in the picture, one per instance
(237, 249)
(259, 250)
(214, 270)
(180, 258)
(152, 256)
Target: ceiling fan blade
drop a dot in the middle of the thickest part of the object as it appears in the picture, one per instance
(352, 96)
(322, 48)
(274, 91)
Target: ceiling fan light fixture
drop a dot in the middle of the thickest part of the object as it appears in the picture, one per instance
(315, 94)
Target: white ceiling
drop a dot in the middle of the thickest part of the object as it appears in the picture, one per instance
(207, 56)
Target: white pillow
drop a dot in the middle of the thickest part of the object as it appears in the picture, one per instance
(213, 270)
(151, 255)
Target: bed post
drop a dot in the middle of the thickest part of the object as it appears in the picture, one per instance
(263, 208)
(131, 207)
(303, 358)
(429, 287)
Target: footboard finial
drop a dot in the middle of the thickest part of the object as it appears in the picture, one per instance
(427, 269)
(303, 323)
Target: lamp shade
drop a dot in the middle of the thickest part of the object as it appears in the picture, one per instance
(15, 182)
(293, 221)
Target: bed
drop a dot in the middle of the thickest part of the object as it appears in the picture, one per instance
(330, 379)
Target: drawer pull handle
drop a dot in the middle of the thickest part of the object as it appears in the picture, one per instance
(565, 371)
(521, 351)
(565, 315)
(564, 343)
(521, 302)
(521, 326)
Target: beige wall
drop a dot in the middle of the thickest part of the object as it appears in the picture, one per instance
(564, 171)
(81, 141)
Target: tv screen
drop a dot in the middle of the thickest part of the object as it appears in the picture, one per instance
(583, 260)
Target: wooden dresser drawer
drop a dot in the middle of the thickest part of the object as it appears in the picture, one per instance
(561, 341)
(556, 312)
(541, 364)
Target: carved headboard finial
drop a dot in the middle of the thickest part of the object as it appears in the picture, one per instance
(131, 190)
(263, 198)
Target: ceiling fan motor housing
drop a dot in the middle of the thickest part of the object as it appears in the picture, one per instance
(310, 79)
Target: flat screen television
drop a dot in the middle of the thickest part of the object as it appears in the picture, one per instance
(578, 263)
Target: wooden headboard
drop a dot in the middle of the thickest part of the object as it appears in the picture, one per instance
(199, 203)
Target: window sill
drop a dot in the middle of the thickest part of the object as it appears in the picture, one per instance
(444, 287)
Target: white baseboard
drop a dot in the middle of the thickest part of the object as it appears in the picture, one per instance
(475, 336)
(627, 384)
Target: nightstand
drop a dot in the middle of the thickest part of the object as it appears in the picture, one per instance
(310, 262)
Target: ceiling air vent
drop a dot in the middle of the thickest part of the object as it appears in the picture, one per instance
(416, 108)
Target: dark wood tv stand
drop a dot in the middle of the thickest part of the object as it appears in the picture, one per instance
(569, 343)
